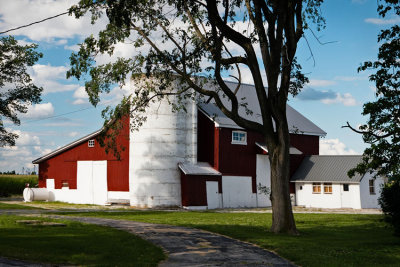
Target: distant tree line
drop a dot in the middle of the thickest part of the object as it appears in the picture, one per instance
(14, 173)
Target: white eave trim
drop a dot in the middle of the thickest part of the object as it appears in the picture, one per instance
(292, 150)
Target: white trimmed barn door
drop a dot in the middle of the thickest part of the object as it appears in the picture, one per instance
(212, 195)
(92, 182)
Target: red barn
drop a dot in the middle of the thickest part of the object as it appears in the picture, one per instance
(195, 159)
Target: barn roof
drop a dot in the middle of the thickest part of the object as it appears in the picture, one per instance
(66, 147)
(297, 123)
(333, 169)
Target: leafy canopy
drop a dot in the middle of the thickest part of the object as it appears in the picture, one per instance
(382, 130)
(17, 91)
(187, 48)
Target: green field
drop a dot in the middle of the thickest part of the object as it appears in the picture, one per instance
(75, 244)
(325, 239)
(15, 184)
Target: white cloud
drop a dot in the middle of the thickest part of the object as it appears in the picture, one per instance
(346, 99)
(21, 12)
(73, 134)
(49, 76)
(351, 78)
(320, 83)
(74, 48)
(378, 21)
(81, 97)
(27, 148)
(38, 111)
(334, 147)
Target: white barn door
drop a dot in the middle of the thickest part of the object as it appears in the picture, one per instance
(212, 195)
(92, 182)
(99, 179)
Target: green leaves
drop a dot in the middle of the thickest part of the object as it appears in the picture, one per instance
(382, 130)
(16, 88)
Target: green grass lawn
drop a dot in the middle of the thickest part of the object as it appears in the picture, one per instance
(9, 206)
(77, 244)
(325, 239)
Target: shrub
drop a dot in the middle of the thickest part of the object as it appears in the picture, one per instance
(15, 184)
(390, 204)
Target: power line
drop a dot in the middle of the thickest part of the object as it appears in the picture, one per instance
(71, 112)
(36, 22)
(59, 115)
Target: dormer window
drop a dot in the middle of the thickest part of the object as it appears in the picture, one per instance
(91, 143)
(239, 138)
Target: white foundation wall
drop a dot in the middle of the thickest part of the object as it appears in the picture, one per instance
(370, 201)
(237, 192)
(164, 140)
(263, 177)
(91, 186)
(306, 197)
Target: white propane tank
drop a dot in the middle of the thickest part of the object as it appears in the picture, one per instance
(31, 194)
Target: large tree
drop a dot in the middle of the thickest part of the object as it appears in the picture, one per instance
(201, 40)
(382, 130)
(17, 91)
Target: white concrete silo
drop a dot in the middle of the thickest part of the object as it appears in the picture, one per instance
(164, 140)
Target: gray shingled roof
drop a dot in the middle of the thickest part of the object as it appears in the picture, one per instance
(327, 169)
(297, 123)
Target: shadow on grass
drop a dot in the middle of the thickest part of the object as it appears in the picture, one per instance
(325, 239)
(77, 243)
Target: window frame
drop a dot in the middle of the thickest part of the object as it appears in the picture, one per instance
(314, 186)
(239, 142)
(91, 143)
(329, 187)
(371, 192)
(346, 186)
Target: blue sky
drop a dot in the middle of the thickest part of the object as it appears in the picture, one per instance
(335, 94)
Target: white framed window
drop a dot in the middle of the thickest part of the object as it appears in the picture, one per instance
(372, 187)
(316, 188)
(91, 143)
(239, 137)
(345, 187)
(327, 188)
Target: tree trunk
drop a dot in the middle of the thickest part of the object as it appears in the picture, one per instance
(282, 215)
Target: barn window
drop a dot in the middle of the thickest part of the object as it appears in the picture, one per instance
(345, 187)
(328, 188)
(91, 143)
(316, 188)
(239, 137)
(372, 187)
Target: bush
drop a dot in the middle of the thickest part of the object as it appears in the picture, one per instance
(390, 204)
(15, 184)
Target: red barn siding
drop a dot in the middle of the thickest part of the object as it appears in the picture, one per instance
(308, 144)
(194, 190)
(240, 160)
(63, 167)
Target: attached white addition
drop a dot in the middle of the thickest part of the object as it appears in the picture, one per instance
(237, 192)
(322, 182)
